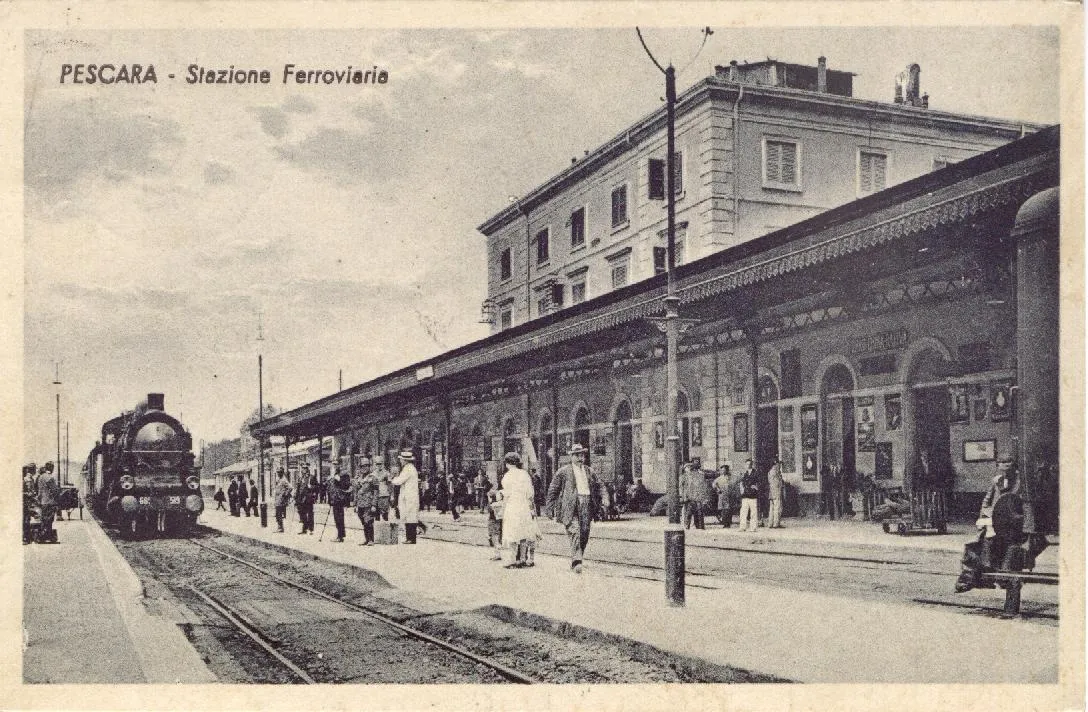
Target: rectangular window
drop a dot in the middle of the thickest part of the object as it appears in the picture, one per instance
(661, 256)
(872, 172)
(543, 306)
(781, 164)
(506, 318)
(619, 206)
(578, 292)
(504, 264)
(542, 246)
(578, 227)
(557, 295)
(657, 176)
(619, 275)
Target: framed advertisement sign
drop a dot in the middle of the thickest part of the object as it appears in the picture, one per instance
(740, 432)
(979, 450)
(808, 467)
(1000, 401)
(810, 428)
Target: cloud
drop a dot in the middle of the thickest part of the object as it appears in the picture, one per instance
(334, 150)
(273, 120)
(298, 105)
(216, 173)
(73, 141)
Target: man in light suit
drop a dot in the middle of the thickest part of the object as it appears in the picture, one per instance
(570, 503)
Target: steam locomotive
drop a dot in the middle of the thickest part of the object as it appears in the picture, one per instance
(140, 477)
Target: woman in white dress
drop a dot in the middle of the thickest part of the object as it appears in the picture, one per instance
(519, 529)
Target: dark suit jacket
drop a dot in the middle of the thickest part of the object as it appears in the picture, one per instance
(563, 493)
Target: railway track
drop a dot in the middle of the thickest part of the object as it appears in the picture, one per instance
(249, 630)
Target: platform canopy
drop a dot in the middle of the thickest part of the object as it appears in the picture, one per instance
(868, 238)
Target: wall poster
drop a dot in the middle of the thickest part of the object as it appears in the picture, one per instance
(866, 424)
(1000, 401)
(787, 453)
(696, 432)
(884, 461)
(785, 419)
(893, 412)
(740, 432)
(810, 428)
(808, 467)
(958, 407)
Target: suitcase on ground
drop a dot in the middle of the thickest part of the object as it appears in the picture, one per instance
(387, 532)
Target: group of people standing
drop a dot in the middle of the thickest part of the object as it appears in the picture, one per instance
(41, 492)
(757, 499)
(240, 496)
(371, 493)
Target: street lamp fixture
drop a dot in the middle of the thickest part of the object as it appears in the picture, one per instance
(671, 323)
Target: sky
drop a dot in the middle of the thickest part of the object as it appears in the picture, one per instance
(164, 221)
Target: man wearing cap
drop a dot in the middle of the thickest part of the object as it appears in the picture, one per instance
(365, 494)
(569, 502)
(48, 494)
(281, 498)
(408, 500)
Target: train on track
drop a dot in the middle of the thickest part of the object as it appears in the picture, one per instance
(141, 476)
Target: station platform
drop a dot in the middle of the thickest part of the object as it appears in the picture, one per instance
(795, 635)
(85, 619)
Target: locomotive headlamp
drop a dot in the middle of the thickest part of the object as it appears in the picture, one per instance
(193, 483)
(127, 482)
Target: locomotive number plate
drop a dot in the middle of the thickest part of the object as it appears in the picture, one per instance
(175, 499)
(145, 500)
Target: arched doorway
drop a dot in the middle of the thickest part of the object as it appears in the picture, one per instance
(930, 405)
(839, 456)
(766, 424)
(581, 427)
(625, 444)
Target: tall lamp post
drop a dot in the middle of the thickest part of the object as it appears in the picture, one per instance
(263, 507)
(674, 531)
(56, 382)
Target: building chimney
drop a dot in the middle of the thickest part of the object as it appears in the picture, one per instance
(913, 81)
(734, 71)
(821, 75)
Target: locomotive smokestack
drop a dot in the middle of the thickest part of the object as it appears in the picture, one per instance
(156, 401)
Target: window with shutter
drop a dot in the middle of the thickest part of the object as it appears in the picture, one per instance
(661, 257)
(657, 179)
(578, 292)
(781, 164)
(619, 206)
(543, 252)
(872, 172)
(619, 275)
(578, 227)
(504, 264)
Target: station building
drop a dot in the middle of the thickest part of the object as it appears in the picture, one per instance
(758, 147)
(919, 317)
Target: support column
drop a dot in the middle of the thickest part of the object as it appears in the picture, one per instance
(1038, 344)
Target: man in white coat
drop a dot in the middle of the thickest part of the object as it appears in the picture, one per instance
(408, 501)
